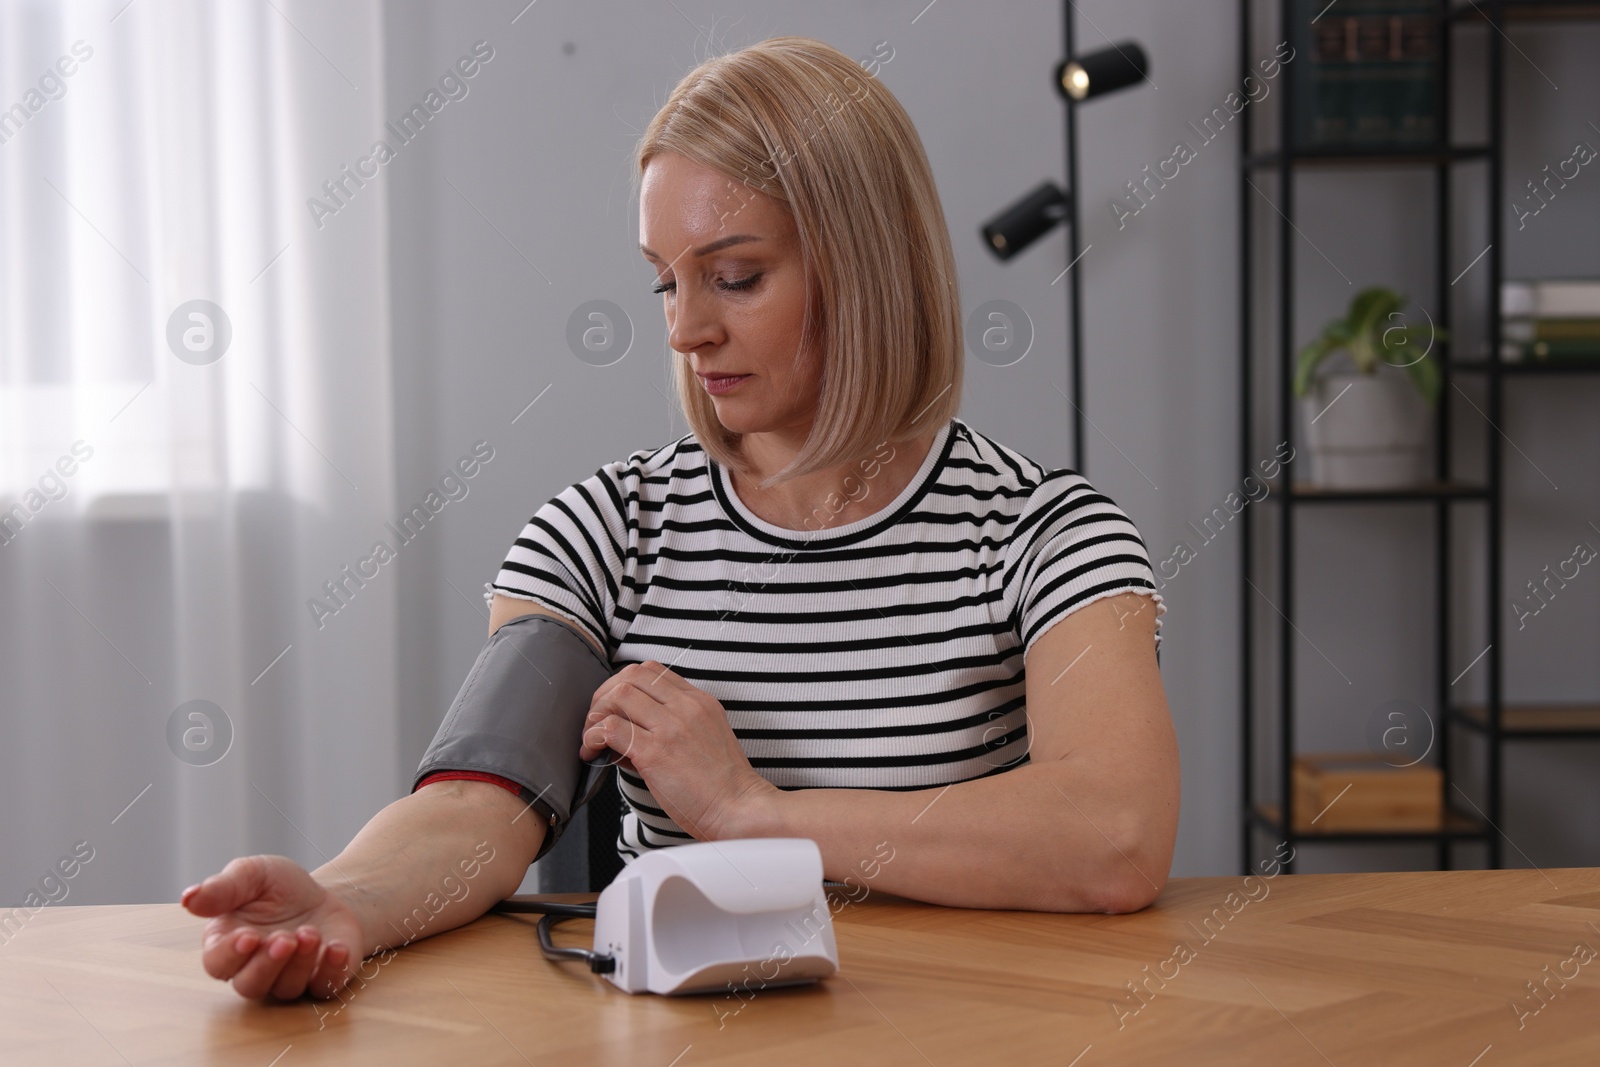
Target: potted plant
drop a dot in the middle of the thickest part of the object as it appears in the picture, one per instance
(1368, 429)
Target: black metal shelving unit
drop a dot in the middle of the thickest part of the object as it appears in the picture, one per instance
(1495, 722)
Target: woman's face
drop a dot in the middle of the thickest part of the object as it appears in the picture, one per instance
(727, 262)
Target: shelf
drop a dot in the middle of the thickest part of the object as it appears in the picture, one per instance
(1370, 157)
(1456, 825)
(1552, 721)
(1535, 366)
(1529, 11)
(1268, 292)
(1307, 493)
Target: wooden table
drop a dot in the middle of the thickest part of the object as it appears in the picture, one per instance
(1420, 968)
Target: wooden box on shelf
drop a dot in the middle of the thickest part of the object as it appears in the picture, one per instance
(1348, 791)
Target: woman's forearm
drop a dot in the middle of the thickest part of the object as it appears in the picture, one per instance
(1032, 838)
(434, 860)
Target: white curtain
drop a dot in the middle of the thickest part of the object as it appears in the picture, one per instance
(195, 440)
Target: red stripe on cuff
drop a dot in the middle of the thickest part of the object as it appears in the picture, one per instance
(475, 776)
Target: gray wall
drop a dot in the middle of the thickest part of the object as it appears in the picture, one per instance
(541, 149)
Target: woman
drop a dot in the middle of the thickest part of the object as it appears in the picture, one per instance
(839, 611)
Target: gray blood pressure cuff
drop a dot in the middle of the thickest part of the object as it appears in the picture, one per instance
(520, 715)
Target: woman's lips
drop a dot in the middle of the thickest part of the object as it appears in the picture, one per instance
(717, 384)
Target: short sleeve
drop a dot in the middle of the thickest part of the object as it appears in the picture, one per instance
(569, 556)
(1071, 546)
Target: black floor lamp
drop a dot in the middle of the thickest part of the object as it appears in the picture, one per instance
(1077, 79)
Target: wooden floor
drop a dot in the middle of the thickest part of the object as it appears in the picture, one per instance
(1425, 968)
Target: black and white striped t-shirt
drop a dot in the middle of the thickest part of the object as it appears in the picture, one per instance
(885, 653)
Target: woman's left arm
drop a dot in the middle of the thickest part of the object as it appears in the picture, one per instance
(1088, 824)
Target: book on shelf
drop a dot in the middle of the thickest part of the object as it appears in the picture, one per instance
(1524, 329)
(1550, 319)
(1366, 75)
(1550, 298)
(1559, 351)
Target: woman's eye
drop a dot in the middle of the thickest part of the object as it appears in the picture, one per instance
(737, 286)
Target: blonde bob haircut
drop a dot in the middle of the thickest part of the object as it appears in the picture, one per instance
(796, 119)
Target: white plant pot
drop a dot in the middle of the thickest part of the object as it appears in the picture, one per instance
(1367, 431)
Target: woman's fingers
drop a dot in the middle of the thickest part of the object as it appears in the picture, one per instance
(297, 970)
(226, 948)
(282, 962)
(659, 675)
(611, 732)
(332, 970)
(259, 974)
(241, 881)
(224, 953)
(649, 677)
(638, 695)
(595, 739)
(631, 701)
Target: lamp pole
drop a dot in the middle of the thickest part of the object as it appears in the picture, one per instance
(1078, 78)
(1074, 291)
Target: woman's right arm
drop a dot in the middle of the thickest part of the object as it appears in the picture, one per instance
(429, 862)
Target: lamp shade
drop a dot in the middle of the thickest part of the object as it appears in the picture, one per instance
(1097, 73)
(1025, 221)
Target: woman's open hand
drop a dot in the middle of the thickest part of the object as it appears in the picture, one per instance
(275, 929)
(676, 737)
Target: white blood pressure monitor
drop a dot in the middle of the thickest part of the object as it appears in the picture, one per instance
(693, 918)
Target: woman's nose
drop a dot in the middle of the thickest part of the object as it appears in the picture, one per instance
(693, 321)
